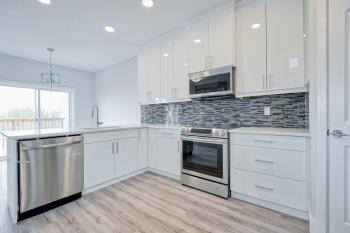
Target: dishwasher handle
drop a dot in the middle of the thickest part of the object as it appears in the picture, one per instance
(50, 145)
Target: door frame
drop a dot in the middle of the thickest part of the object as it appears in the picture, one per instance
(317, 61)
(38, 86)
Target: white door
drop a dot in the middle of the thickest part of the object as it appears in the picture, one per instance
(339, 114)
(167, 71)
(168, 153)
(153, 74)
(143, 82)
(143, 148)
(126, 156)
(285, 44)
(221, 39)
(181, 80)
(98, 163)
(198, 47)
(251, 48)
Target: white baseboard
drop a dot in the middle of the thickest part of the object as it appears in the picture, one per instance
(304, 215)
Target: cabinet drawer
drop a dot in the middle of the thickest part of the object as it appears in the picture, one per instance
(269, 141)
(270, 188)
(168, 133)
(283, 163)
(110, 135)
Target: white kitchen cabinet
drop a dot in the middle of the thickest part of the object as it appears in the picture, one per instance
(270, 47)
(149, 76)
(98, 163)
(181, 80)
(126, 156)
(152, 148)
(143, 148)
(211, 42)
(167, 71)
(168, 153)
(285, 43)
(251, 48)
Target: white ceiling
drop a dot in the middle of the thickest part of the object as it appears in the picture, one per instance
(75, 28)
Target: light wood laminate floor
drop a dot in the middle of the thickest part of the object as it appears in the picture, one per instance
(151, 203)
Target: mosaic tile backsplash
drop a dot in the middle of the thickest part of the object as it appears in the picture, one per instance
(287, 111)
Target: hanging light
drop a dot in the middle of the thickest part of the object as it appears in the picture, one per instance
(50, 77)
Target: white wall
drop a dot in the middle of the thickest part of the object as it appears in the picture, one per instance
(15, 69)
(116, 93)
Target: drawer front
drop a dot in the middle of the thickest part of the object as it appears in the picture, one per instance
(110, 135)
(283, 163)
(281, 191)
(168, 133)
(269, 141)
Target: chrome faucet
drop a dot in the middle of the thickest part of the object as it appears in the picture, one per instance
(94, 107)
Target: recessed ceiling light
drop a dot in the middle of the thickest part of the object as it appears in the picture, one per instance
(47, 2)
(197, 41)
(256, 25)
(148, 3)
(186, 64)
(109, 29)
(166, 54)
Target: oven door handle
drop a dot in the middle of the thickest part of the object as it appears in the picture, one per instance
(208, 140)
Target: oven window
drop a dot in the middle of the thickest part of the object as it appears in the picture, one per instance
(204, 158)
(215, 83)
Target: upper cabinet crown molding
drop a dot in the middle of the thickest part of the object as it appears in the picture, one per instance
(270, 47)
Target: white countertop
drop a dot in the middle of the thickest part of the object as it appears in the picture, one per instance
(272, 131)
(28, 134)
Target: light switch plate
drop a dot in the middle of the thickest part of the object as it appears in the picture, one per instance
(267, 111)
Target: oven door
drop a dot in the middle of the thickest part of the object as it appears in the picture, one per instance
(206, 158)
(212, 82)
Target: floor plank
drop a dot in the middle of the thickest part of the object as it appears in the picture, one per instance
(150, 203)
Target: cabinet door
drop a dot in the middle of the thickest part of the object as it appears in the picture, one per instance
(153, 74)
(167, 71)
(143, 87)
(152, 149)
(98, 163)
(221, 39)
(142, 149)
(181, 80)
(168, 152)
(198, 45)
(285, 44)
(126, 156)
(251, 48)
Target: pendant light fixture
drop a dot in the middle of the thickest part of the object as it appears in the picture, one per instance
(50, 78)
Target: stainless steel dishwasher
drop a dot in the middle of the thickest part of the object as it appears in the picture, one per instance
(51, 173)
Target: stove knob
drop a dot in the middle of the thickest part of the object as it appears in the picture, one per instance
(223, 134)
(216, 133)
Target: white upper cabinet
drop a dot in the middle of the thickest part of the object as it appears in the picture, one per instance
(285, 43)
(167, 71)
(181, 80)
(251, 48)
(211, 42)
(198, 45)
(149, 74)
(270, 47)
(221, 42)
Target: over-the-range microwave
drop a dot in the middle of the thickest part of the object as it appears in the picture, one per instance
(214, 82)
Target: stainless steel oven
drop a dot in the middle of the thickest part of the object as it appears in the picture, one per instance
(214, 82)
(205, 160)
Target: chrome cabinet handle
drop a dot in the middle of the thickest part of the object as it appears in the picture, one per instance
(263, 81)
(211, 61)
(117, 147)
(175, 92)
(264, 187)
(113, 148)
(270, 81)
(263, 141)
(337, 133)
(264, 161)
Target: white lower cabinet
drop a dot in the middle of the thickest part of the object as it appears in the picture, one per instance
(126, 157)
(271, 171)
(98, 163)
(168, 153)
(143, 148)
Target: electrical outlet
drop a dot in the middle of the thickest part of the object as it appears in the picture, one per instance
(267, 111)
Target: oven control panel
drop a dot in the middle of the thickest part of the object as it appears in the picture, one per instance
(205, 132)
